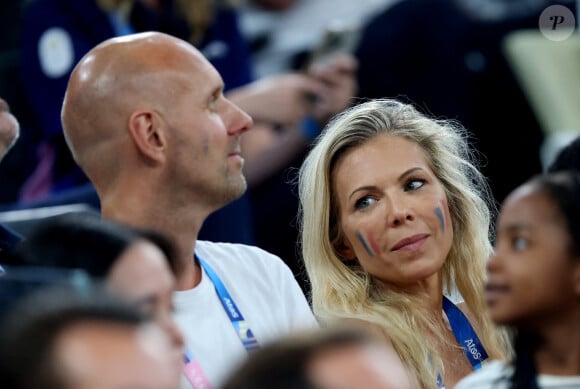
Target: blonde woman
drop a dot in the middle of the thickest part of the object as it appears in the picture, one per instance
(395, 216)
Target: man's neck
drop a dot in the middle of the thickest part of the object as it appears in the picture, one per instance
(187, 270)
(188, 276)
(182, 229)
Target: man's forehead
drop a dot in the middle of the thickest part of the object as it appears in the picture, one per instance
(185, 62)
(201, 73)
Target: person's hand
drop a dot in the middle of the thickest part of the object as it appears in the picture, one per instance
(338, 75)
(282, 100)
(9, 128)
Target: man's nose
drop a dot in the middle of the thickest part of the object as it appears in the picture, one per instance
(238, 121)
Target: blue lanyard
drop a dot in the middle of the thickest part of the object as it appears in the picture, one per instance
(240, 325)
(465, 335)
(192, 369)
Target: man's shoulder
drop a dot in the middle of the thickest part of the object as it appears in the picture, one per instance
(272, 284)
(236, 248)
(236, 253)
(240, 265)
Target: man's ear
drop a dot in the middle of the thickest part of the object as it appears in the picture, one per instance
(344, 249)
(147, 132)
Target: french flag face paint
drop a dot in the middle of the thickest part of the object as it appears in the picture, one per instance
(441, 217)
(368, 243)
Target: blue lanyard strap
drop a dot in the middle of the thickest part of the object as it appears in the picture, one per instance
(465, 334)
(240, 325)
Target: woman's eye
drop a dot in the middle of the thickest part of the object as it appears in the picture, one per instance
(414, 184)
(364, 202)
(519, 243)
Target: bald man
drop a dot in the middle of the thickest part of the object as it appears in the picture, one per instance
(9, 132)
(145, 118)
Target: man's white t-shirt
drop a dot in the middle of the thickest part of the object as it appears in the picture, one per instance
(265, 292)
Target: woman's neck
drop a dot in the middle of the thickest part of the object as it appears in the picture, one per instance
(429, 290)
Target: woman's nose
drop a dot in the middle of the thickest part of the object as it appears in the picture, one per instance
(399, 211)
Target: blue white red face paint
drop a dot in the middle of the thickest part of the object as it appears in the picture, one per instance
(441, 217)
(368, 243)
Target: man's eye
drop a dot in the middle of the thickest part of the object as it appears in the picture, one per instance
(414, 184)
(364, 202)
(213, 101)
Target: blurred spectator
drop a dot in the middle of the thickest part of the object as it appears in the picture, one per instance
(534, 286)
(324, 359)
(283, 33)
(137, 265)
(64, 339)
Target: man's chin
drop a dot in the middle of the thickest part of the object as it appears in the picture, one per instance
(235, 190)
(243, 187)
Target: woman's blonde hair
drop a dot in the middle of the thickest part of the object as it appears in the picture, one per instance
(340, 291)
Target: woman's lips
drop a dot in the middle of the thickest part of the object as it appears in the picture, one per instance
(410, 243)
